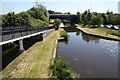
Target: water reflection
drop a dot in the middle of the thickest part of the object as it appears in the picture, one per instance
(89, 38)
(89, 56)
(78, 33)
(63, 41)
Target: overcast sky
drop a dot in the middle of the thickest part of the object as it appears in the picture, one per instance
(61, 5)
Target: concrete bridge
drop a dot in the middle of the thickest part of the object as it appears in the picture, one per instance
(62, 16)
(11, 34)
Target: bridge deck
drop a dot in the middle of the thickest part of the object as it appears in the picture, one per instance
(14, 34)
(62, 16)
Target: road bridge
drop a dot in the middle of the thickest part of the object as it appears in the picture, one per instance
(62, 16)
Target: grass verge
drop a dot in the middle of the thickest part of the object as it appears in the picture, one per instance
(101, 31)
(35, 62)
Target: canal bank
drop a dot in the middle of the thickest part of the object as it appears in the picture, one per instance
(35, 62)
(93, 32)
(89, 56)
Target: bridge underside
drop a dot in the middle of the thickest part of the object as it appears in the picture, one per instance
(62, 16)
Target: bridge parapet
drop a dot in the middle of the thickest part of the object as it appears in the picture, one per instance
(62, 16)
(9, 33)
(19, 33)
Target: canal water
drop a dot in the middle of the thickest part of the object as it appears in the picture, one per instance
(89, 56)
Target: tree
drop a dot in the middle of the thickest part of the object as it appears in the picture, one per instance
(117, 20)
(89, 16)
(86, 17)
(36, 16)
(39, 12)
(97, 20)
(78, 17)
(9, 20)
(104, 18)
(110, 18)
(51, 12)
(24, 19)
(57, 23)
(67, 13)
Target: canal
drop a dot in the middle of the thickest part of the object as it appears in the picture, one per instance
(89, 56)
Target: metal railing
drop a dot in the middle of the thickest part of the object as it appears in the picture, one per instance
(9, 33)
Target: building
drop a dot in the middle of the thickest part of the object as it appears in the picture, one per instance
(119, 7)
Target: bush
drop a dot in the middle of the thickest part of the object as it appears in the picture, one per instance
(97, 20)
(64, 34)
(94, 26)
(32, 17)
(61, 70)
(57, 23)
(86, 25)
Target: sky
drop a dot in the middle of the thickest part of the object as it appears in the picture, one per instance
(71, 6)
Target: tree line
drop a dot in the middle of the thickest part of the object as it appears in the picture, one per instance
(53, 12)
(94, 18)
(36, 16)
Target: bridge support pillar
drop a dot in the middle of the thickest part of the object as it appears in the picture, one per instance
(21, 45)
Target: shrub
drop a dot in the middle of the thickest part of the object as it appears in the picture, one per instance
(61, 70)
(97, 20)
(86, 25)
(94, 26)
(57, 23)
(64, 34)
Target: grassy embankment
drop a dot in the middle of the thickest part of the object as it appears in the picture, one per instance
(101, 31)
(35, 62)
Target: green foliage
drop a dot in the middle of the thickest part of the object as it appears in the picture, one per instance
(9, 19)
(57, 23)
(10, 50)
(97, 20)
(39, 13)
(53, 12)
(86, 25)
(67, 13)
(86, 17)
(78, 17)
(61, 70)
(32, 17)
(64, 34)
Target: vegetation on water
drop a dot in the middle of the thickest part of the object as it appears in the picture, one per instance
(64, 34)
(61, 70)
(57, 23)
(36, 16)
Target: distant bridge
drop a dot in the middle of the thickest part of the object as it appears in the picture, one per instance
(62, 16)
(11, 34)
